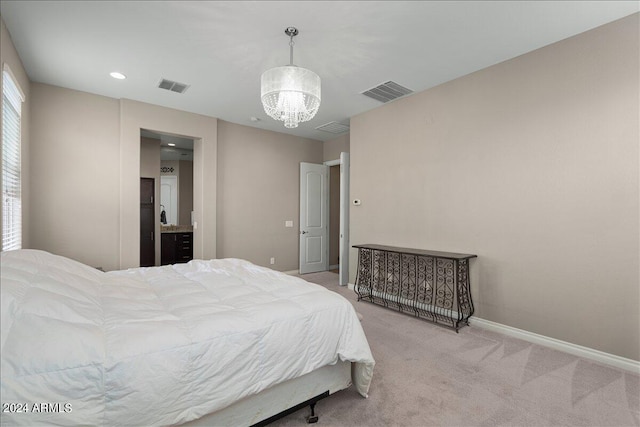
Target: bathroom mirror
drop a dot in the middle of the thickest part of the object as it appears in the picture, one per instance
(176, 178)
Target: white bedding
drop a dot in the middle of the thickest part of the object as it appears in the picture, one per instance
(161, 345)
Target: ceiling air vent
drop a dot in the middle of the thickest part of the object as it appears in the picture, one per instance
(386, 92)
(334, 127)
(173, 86)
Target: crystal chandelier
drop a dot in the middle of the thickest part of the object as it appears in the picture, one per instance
(290, 93)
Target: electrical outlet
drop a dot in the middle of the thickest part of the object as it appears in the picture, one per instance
(272, 261)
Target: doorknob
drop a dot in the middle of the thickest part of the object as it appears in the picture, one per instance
(303, 232)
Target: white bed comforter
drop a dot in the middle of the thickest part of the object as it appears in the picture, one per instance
(162, 345)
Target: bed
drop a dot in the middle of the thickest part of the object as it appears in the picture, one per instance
(217, 342)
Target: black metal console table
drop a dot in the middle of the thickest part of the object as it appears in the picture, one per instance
(431, 285)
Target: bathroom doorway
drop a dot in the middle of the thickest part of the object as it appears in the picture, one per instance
(168, 159)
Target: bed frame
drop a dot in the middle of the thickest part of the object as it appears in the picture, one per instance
(281, 399)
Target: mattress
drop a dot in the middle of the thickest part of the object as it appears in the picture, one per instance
(161, 345)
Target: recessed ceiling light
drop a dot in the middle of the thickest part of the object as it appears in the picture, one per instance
(171, 144)
(117, 75)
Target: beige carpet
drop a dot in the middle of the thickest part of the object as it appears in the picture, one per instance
(427, 375)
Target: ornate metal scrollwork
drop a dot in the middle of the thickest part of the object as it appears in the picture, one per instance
(465, 304)
(427, 284)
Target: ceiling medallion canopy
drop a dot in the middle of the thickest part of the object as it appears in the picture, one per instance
(290, 93)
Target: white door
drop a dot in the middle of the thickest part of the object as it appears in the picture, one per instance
(169, 197)
(314, 214)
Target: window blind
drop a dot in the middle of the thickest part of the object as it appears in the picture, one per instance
(11, 181)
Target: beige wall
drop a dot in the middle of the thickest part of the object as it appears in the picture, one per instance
(9, 56)
(531, 164)
(75, 175)
(258, 190)
(85, 192)
(331, 149)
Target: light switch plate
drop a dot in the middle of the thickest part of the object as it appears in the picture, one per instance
(288, 223)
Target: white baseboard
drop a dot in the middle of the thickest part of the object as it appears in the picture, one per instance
(567, 347)
(577, 350)
(292, 272)
(334, 267)
(351, 286)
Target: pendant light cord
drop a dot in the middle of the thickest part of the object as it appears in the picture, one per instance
(291, 32)
(291, 50)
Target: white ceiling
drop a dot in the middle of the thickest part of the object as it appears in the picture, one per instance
(221, 48)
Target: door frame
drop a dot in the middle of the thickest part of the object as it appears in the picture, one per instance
(135, 116)
(343, 161)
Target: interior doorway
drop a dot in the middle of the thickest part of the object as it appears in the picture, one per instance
(342, 235)
(168, 159)
(343, 227)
